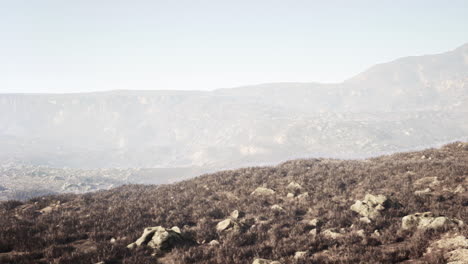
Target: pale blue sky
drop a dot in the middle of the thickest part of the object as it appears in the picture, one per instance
(90, 45)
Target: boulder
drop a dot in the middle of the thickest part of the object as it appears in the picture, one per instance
(224, 225)
(290, 195)
(370, 207)
(428, 221)
(261, 191)
(158, 238)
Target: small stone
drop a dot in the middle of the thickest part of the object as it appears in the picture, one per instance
(264, 261)
(294, 186)
(332, 234)
(277, 208)
(422, 192)
(261, 191)
(361, 233)
(300, 254)
(459, 189)
(365, 220)
(313, 222)
(236, 214)
(313, 232)
(214, 243)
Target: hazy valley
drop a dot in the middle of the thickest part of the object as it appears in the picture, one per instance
(410, 103)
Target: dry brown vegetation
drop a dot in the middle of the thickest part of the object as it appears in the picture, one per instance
(79, 228)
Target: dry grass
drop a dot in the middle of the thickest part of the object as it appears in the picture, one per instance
(197, 205)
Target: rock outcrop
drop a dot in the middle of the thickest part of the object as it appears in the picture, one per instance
(454, 248)
(370, 207)
(158, 238)
(428, 221)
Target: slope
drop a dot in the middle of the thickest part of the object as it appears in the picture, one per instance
(302, 213)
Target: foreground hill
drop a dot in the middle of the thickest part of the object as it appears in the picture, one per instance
(301, 211)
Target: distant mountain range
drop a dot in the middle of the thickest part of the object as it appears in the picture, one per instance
(409, 103)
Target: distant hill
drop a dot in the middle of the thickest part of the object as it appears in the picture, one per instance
(402, 208)
(410, 103)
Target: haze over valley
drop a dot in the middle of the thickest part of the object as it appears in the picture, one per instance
(407, 104)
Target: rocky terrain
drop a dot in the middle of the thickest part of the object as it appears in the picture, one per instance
(20, 182)
(401, 208)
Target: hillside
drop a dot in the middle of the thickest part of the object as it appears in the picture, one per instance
(300, 211)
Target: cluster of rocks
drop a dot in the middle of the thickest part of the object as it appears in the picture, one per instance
(370, 207)
(233, 222)
(427, 220)
(295, 189)
(159, 238)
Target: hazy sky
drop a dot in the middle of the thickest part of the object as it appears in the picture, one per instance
(89, 45)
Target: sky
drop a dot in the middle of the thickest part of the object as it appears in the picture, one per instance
(56, 46)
